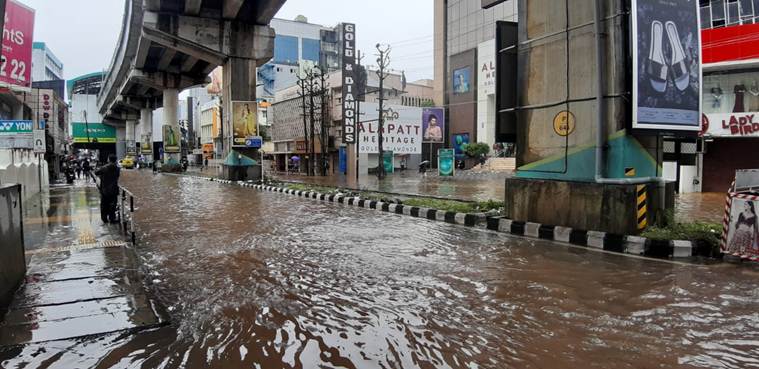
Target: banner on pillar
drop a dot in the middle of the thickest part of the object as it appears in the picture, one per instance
(350, 114)
(666, 48)
(244, 124)
(171, 143)
(146, 146)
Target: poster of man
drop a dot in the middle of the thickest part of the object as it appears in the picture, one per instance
(743, 233)
(433, 122)
(171, 143)
(244, 121)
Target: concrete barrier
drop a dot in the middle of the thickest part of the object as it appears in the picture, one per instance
(12, 259)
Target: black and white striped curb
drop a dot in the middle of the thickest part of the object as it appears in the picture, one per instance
(633, 245)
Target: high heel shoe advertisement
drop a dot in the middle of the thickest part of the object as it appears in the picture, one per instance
(667, 65)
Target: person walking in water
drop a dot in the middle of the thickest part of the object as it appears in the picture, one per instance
(109, 190)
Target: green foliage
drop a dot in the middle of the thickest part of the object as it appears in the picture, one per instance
(428, 104)
(476, 149)
(708, 233)
(455, 206)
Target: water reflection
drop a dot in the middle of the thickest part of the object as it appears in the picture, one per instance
(267, 280)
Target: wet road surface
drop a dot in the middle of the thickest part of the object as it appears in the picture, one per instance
(266, 280)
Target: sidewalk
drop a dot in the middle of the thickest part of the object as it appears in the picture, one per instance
(82, 278)
(464, 186)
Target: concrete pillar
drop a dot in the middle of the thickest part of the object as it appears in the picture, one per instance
(146, 137)
(131, 140)
(239, 85)
(171, 134)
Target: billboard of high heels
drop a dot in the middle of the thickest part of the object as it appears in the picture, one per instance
(667, 65)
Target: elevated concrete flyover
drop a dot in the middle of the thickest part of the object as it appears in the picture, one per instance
(170, 45)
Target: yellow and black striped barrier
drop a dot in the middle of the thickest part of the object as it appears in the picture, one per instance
(642, 207)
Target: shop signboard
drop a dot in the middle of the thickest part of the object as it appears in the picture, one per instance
(16, 127)
(666, 65)
(244, 124)
(433, 124)
(731, 124)
(16, 61)
(402, 132)
(350, 114)
(459, 140)
(445, 162)
(96, 132)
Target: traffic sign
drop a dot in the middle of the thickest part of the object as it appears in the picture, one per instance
(254, 142)
(39, 141)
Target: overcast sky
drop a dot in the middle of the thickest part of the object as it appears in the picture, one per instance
(83, 33)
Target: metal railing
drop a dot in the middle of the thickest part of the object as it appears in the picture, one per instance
(126, 214)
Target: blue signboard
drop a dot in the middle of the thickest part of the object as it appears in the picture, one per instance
(343, 156)
(254, 142)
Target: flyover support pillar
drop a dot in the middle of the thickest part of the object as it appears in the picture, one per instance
(146, 137)
(131, 145)
(171, 133)
(239, 86)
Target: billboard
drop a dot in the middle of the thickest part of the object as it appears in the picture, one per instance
(244, 123)
(743, 230)
(96, 132)
(402, 132)
(16, 60)
(171, 143)
(350, 115)
(433, 125)
(16, 127)
(146, 144)
(445, 162)
(459, 140)
(666, 65)
(462, 81)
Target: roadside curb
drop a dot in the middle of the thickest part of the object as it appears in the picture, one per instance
(622, 244)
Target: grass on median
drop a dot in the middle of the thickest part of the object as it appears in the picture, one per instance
(422, 202)
(455, 206)
(706, 233)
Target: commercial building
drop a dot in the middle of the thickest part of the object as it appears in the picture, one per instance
(22, 146)
(297, 42)
(465, 79)
(88, 131)
(404, 105)
(45, 65)
(730, 98)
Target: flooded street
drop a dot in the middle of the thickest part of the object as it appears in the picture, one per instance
(267, 280)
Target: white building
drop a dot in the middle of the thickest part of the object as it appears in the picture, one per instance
(45, 65)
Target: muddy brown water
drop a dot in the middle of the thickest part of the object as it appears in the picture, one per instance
(265, 280)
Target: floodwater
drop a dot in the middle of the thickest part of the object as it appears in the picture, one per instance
(266, 280)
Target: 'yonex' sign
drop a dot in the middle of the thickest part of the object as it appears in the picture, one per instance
(13, 127)
(350, 114)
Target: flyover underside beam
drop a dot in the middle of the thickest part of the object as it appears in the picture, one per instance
(232, 8)
(184, 46)
(192, 7)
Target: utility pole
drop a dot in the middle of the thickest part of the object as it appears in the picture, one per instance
(383, 61)
(302, 84)
(312, 119)
(324, 136)
(358, 114)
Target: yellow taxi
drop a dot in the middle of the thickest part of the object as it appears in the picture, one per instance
(127, 162)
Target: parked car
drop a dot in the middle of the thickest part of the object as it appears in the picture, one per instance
(127, 162)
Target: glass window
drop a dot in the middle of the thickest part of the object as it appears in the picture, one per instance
(733, 13)
(706, 17)
(747, 8)
(311, 49)
(285, 49)
(718, 10)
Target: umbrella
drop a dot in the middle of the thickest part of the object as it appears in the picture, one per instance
(295, 158)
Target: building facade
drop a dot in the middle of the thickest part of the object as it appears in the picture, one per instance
(88, 131)
(45, 65)
(465, 50)
(403, 101)
(730, 101)
(297, 42)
